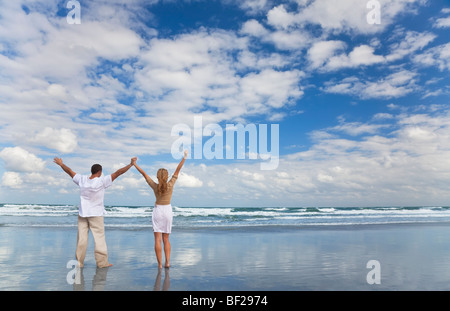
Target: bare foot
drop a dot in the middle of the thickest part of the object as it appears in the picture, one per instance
(107, 266)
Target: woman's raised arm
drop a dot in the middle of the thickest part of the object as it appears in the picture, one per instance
(147, 178)
(177, 171)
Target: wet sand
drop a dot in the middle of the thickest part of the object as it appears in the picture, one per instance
(410, 257)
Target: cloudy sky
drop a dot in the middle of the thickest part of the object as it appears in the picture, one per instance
(362, 107)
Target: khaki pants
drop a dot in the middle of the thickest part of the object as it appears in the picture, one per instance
(98, 232)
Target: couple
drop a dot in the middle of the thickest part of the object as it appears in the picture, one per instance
(91, 210)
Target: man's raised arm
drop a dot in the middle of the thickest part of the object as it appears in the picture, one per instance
(123, 170)
(65, 168)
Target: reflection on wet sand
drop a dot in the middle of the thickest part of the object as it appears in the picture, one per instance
(98, 282)
(166, 283)
(411, 257)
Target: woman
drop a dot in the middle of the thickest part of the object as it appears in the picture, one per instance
(162, 212)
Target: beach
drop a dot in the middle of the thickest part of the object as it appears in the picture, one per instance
(259, 258)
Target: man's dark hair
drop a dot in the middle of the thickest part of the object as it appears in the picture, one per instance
(96, 168)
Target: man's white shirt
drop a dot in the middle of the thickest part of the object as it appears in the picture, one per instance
(92, 193)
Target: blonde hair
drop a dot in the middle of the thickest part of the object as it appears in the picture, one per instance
(162, 176)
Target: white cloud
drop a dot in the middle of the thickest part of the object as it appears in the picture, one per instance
(112, 87)
(406, 163)
(443, 22)
(270, 88)
(198, 71)
(394, 85)
(382, 116)
(418, 133)
(321, 51)
(249, 60)
(253, 28)
(280, 18)
(57, 50)
(130, 182)
(44, 48)
(345, 16)
(253, 6)
(171, 78)
(291, 40)
(438, 56)
(409, 163)
(18, 159)
(412, 42)
(324, 178)
(12, 180)
(362, 55)
(189, 181)
(62, 140)
(323, 54)
(283, 39)
(57, 90)
(357, 128)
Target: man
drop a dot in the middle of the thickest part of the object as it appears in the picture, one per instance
(92, 209)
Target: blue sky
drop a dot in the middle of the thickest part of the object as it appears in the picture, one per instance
(362, 108)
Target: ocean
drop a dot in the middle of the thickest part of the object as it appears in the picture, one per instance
(139, 217)
(233, 249)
